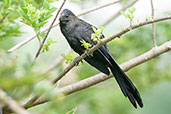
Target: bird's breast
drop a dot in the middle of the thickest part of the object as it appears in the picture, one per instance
(72, 35)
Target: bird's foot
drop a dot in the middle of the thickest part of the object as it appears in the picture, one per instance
(75, 61)
(86, 52)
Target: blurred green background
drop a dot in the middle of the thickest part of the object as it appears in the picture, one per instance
(19, 76)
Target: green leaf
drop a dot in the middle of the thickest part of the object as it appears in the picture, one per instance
(37, 18)
(96, 36)
(101, 29)
(85, 44)
(94, 29)
(129, 14)
(132, 10)
(47, 45)
(69, 57)
(123, 13)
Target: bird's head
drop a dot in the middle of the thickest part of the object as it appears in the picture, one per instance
(66, 16)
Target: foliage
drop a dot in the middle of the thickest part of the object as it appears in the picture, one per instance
(144, 76)
(129, 14)
(47, 44)
(8, 14)
(20, 76)
(85, 44)
(97, 35)
(69, 57)
(20, 83)
(37, 18)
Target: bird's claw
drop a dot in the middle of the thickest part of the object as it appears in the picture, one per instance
(86, 52)
(75, 61)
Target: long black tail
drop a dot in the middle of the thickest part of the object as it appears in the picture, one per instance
(127, 87)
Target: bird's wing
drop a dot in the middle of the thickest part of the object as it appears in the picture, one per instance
(100, 57)
(86, 31)
(85, 34)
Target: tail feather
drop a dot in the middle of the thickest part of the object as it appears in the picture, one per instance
(127, 87)
(132, 100)
(120, 82)
(138, 98)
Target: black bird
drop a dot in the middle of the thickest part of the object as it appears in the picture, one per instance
(76, 30)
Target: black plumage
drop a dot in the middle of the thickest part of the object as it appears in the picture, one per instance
(76, 30)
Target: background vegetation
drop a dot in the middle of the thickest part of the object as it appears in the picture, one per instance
(20, 72)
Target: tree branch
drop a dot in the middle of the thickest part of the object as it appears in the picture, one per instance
(131, 3)
(99, 7)
(57, 62)
(12, 104)
(22, 43)
(154, 52)
(104, 42)
(38, 52)
(34, 98)
(153, 25)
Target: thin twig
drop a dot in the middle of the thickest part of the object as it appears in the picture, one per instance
(104, 42)
(99, 7)
(153, 25)
(22, 43)
(38, 52)
(54, 65)
(29, 103)
(107, 21)
(11, 103)
(34, 98)
(72, 88)
(4, 17)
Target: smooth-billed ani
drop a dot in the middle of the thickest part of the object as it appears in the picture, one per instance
(76, 30)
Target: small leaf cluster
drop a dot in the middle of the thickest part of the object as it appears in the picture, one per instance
(96, 36)
(8, 15)
(85, 44)
(48, 43)
(129, 14)
(36, 18)
(69, 57)
(40, 3)
(10, 12)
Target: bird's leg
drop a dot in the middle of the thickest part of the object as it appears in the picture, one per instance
(75, 61)
(86, 52)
